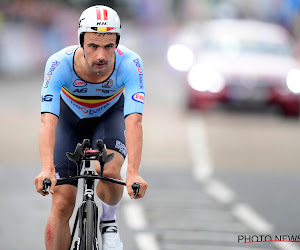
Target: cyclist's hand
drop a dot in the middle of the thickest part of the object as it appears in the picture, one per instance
(136, 179)
(38, 181)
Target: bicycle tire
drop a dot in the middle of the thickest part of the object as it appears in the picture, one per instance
(90, 225)
(82, 228)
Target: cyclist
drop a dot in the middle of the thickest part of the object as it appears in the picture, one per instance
(83, 97)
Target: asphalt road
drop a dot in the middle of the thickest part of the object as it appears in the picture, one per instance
(250, 160)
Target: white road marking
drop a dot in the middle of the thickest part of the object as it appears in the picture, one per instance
(146, 241)
(134, 215)
(253, 220)
(135, 219)
(202, 167)
(220, 191)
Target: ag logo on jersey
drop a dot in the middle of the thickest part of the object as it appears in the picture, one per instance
(79, 83)
(139, 97)
(83, 90)
(108, 83)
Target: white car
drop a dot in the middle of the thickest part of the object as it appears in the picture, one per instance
(237, 61)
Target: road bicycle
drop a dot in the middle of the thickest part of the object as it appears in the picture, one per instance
(87, 213)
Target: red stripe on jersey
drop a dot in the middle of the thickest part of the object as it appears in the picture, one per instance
(105, 14)
(98, 13)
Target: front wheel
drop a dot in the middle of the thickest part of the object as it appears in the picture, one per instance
(90, 226)
(87, 234)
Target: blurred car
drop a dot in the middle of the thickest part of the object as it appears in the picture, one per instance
(237, 62)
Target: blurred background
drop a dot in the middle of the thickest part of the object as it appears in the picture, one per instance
(221, 120)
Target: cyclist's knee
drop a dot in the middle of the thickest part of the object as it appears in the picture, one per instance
(112, 170)
(63, 202)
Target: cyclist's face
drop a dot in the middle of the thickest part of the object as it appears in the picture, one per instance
(99, 50)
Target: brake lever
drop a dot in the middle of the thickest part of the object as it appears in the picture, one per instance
(136, 188)
(46, 185)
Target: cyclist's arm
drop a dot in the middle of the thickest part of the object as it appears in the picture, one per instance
(46, 146)
(54, 78)
(47, 140)
(57, 75)
(134, 141)
(132, 70)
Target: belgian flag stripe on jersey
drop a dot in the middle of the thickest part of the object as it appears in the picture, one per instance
(90, 103)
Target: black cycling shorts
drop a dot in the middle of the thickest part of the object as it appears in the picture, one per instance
(110, 128)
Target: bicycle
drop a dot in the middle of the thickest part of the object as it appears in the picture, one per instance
(87, 213)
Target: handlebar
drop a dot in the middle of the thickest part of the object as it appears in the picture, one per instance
(135, 186)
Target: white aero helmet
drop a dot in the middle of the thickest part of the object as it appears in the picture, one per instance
(101, 19)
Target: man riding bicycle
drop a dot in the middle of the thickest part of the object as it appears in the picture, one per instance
(83, 97)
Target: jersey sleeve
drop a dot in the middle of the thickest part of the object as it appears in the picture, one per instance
(54, 78)
(134, 86)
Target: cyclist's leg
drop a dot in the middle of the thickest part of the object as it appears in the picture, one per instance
(57, 234)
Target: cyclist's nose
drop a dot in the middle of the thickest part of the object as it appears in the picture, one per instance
(100, 54)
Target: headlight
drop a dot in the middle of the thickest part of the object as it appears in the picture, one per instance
(180, 57)
(293, 80)
(205, 79)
